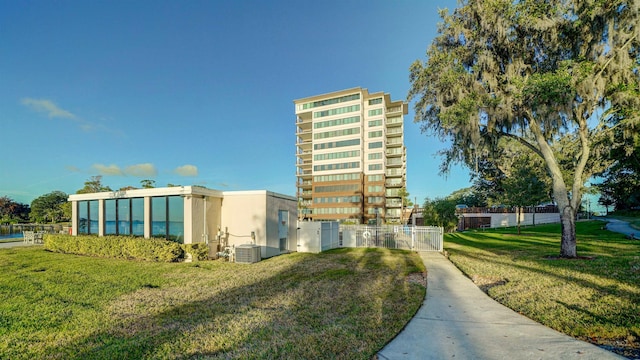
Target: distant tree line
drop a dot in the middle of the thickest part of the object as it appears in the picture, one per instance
(621, 186)
(54, 207)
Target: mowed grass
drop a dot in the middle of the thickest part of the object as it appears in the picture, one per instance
(343, 304)
(594, 298)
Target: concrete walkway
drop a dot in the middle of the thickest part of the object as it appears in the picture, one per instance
(459, 321)
(7, 245)
(622, 227)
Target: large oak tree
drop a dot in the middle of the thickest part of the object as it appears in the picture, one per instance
(49, 207)
(537, 72)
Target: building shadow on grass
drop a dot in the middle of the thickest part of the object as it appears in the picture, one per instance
(282, 314)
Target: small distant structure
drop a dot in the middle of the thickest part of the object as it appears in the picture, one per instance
(505, 216)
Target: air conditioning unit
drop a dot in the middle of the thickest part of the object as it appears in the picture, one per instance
(248, 253)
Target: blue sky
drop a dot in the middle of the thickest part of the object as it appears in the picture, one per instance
(195, 92)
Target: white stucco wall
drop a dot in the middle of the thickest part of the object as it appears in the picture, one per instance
(244, 212)
(275, 204)
(199, 229)
(510, 219)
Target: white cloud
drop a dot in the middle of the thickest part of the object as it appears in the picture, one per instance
(186, 170)
(138, 170)
(141, 170)
(112, 170)
(48, 107)
(52, 110)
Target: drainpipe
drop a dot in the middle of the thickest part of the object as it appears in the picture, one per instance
(205, 235)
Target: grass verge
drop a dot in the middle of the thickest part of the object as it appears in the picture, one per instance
(595, 298)
(343, 304)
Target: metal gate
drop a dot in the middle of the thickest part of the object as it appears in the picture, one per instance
(416, 238)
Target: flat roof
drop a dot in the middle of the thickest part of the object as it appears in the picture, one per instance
(174, 190)
(333, 93)
(258, 192)
(163, 191)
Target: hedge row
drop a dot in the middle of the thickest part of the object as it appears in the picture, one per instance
(124, 247)
(197, 251)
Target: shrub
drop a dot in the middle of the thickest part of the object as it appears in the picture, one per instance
(199, 251)
(121, 247)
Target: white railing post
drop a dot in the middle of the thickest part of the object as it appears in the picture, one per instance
(413, 238)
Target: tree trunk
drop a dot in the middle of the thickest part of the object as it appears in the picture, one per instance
(534, 215)
(568, 226)
(566, 206)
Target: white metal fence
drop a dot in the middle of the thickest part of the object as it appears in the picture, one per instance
(416, 238)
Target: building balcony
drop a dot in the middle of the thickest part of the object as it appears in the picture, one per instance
(303, 143)
(304, 116)
(394, 162)
(304, 147)
(394, 182)
(305, 203)
(395, 121)
(303, 165)
(304, 126)
(303, 159)
(304, 135)
(300, 173)
(394, 109)
(395, 152)
(395, 173)
(304, 184)
(394, 132)
(393, 203)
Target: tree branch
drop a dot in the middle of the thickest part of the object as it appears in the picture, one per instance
(578, 180)
(522, 141)
(611, 58)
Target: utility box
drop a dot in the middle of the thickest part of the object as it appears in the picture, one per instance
(248, 253)
(316, 236)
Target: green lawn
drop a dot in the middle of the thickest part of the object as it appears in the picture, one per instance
(595, 298)
(344, 304)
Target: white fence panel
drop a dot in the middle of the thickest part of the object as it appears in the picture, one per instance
(417, 238)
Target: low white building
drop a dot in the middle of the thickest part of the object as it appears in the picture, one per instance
(484, 217)
(191, 214)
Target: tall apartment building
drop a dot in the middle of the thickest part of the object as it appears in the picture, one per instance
(350, 156)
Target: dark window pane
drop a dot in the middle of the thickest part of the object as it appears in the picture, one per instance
(110, 217)
(83, 217)
(93, 216)
(124, 221)
(159, 217)
(176, 218)
(137, 216)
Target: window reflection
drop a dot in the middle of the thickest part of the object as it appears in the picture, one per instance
(137, 216)
(167, 218)
(124, 216)
(110, 217)
(83, 217)
(159, 217)
(176, 218)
